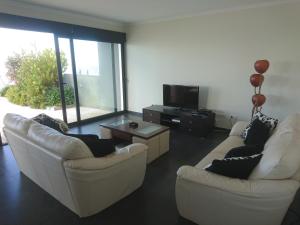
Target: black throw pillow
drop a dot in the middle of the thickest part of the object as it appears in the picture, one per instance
(235, 167)
(268, 121)
(243, 151)
(83, 136)
(258, 134)
(98, 147)
(50, 122)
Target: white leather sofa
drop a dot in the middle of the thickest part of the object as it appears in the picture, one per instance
(210, 199)
(65, 167)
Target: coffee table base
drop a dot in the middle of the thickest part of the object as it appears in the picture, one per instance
(157, 145)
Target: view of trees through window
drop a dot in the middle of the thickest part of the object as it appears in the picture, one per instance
(29, 80)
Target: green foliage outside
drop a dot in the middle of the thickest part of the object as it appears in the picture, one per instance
(53, 96)
(3, 91)
(36, 80)
(12, 64)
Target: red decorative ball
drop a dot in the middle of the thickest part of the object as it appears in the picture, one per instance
(256, 80)
(261, 66)
(258, 100)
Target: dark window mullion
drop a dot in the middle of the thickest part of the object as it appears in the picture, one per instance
(75, 79)
(60, 78)
(114, 77)
(124, 76)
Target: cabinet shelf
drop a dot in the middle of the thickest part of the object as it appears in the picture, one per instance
(199, 123)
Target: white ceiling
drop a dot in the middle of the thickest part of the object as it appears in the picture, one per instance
(136, 11)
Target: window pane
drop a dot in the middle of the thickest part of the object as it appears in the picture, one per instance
(28, 74)
(98, 77)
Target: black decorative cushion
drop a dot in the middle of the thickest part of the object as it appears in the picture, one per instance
(258, 134)
(56, 124)
(98, 147)
(235, 167)
(268, 121)
(83, 136)
(243, 151)
(245, 131)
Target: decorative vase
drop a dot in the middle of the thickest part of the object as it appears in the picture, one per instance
(256, 80)
(258, 100)
(261, 66)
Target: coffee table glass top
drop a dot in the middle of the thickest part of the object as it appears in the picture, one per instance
(144, 129)
(149, 129)
(120, 122)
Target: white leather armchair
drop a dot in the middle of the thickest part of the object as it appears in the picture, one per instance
(210, 199)
(65, 168)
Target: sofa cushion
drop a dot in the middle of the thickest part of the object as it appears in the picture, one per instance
(291, 123)
(17, 123)
(220, 151)
(208, 159)
(228, 144)
(238, 128)
(268, 121)
(258, 134)
(235, 167)
(281, 159)
(61, 145)
(99, 147)
(243, 151)
(245, 131)
(119, 156)
(56, 124)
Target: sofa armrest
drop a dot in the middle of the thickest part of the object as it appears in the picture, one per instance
(255, 188)
(238, 128)
(110, 160)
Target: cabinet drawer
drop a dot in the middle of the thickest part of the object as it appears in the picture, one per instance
(196, 125)
(188, 121)
(151, 116)
(193, 121)
(197, 131)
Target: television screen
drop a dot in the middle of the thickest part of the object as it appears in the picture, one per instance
(181, 96)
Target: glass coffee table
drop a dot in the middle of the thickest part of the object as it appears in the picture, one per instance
(155, 136)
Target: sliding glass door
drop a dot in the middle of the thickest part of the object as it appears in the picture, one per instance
(66, 71)
(92, 71)
(29, 83)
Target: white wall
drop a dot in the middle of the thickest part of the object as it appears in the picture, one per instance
(30, 10)
(217, 52)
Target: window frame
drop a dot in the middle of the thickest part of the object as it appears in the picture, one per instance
(71, 31)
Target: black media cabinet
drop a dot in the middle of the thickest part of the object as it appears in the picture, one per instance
(199, 123)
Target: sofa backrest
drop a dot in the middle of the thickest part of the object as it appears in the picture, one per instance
(53, 141)
(64, 146)
(17, 123)
(40, 153)
(281, 159)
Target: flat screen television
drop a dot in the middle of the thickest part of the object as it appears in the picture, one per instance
(186, 97)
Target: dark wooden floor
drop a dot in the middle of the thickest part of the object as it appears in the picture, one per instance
(22, 202)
